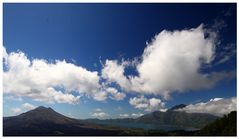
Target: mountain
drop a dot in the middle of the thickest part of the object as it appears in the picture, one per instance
(45, 121)
(180, 106)
(176, 118)
(44, 115)
(225, 126)
(167, 121)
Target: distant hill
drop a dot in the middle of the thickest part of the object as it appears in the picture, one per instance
(45, 121)
(177, 118)
(225, 126)
(167, 121)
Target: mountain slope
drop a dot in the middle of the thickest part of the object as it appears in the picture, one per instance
(45, 121)
(170, 120)
(194, 120)
(44, 115)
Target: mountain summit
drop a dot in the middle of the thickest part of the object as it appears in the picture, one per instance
(46, 121)
(44, 114)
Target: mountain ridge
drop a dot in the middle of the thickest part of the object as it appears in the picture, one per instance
(171, 119)
(47, 122)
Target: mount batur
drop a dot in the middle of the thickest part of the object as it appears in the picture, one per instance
(44, 121)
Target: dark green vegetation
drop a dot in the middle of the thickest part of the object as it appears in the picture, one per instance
(225, 126)
(46, 122)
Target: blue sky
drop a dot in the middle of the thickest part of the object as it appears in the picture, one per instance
(86, 35)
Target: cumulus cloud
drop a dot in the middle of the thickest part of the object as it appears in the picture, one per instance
(28, 106)
(143, 103)
(100, 96)
(16, 111)
(99, 113)
(172, 62)
(216, 106)
(115, 94)
(114, 72)
(52, 82)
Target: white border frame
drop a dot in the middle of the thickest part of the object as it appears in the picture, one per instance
(105, 1)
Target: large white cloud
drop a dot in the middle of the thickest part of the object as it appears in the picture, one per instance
(143, 103)
(171, 62)
(52, 82)
(216, 106)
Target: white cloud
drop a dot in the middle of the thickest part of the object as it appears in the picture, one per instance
(114, 72)
(49, 82)
(28, 106)
(215, 99)
(116, 95)
(136, 115)
(171, 62)
(125, 115)
(59, 97)
(23, 108)
(99, 96)
(16, 111)
(52, 82)
(143, 103)
(99, 114)
(216, 106)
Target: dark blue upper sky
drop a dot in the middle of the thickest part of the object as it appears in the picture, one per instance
(65, 31)
(82, 33)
